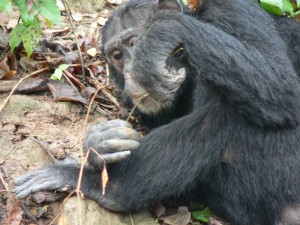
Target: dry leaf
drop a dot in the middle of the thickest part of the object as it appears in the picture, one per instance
(12, 23)
(92, 52)
(5, 71)
(102, 21)
(194, 4)
(159, 209)
(104, 177)
(182, 217)
(33, 86)
(15, 214)
(117, 2)
(64, 92)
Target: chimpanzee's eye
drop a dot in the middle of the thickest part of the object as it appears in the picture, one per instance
(117, 55)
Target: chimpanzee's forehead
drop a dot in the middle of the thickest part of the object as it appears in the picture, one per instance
(121, 38)
(131, 14)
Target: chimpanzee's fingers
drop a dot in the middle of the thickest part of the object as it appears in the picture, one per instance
(117, 133)
(26, 184)
(97, 161)
(43, 179)
(116, 156)
(116, 145)
(36, 187)
(22, 179)
(99, 127)
(94, 140)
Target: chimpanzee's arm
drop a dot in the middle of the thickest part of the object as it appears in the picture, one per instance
(259, 80)
(163, 165)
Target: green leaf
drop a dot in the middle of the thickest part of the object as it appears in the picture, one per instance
(185, 2)
(296, 13)
(8, 8)
(49, 10)
(203, 215)
(5, 5)
(31, 36)
(19, 2)
(59, 71)
(278, 7)
(288, 7)
(53, 77)
(58, 74)
(298, 3)
(15, 36)
(63, 67)
(48, 23)
(26, 17)
(272, 6)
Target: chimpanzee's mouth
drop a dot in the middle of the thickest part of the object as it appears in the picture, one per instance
(139, 96)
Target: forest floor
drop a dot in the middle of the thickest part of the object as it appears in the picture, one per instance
(43, 112)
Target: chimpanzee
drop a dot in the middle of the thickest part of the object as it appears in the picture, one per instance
(235, 93)
(128, 21)
(290, 32)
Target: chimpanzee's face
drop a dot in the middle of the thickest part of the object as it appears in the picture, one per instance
(152, 68)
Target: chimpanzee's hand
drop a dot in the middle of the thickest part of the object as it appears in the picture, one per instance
(60, 177)
(113, 140)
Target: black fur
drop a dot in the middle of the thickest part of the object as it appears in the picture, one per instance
(289, 30)
(235, 142)
(134, 14)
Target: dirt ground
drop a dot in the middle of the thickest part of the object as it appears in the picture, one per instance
(27, 117)
(59, 124)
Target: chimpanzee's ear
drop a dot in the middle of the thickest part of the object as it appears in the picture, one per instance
(169, 4)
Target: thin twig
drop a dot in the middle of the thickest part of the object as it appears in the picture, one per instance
(98, 85)
(75, 37)
(69, 81)
(104, 167)
(83, 158)
(131, 219)
(131, 112)
(5, 184)
(20, 81)
(134, 107)
(74, 79)
(81, 171)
